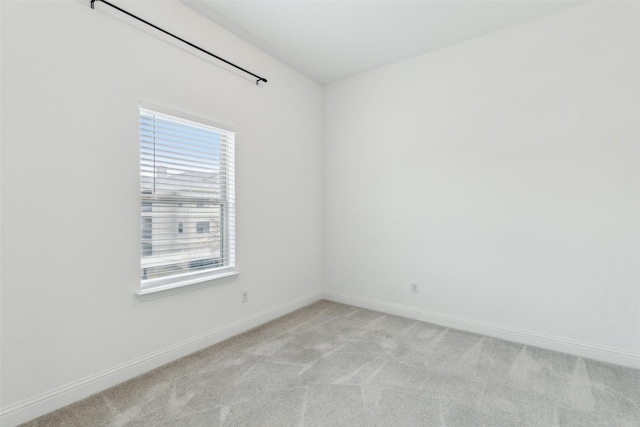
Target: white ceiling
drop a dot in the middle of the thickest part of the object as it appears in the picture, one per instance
(331, 40)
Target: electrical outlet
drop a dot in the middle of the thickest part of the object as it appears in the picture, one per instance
(244, 296)
(414, 287)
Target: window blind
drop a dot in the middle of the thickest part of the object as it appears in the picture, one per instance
(187, 230)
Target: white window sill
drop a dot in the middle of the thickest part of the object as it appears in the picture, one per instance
(184, 286)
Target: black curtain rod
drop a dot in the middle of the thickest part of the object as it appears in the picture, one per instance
(181, 39)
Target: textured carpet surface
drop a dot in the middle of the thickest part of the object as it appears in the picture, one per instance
(333, 365)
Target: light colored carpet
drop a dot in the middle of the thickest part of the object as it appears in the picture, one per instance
(334, 365)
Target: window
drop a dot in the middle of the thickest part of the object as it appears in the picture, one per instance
(187, 201)
(202, 227)
(146, 227)
(146, 251)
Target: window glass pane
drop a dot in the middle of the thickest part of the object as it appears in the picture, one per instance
(146, 228)
(202, 227)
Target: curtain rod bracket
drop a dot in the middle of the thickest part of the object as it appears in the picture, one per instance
(181, 39)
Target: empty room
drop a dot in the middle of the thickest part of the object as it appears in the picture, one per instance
(320, 213)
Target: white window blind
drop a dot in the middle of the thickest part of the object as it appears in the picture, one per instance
(187, 230)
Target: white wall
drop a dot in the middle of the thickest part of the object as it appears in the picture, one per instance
(72, 79)
(503, 175)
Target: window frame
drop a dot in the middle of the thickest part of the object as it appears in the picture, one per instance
(161, 286)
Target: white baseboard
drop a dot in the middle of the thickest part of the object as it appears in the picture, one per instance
(550, 342)
(34, 407)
